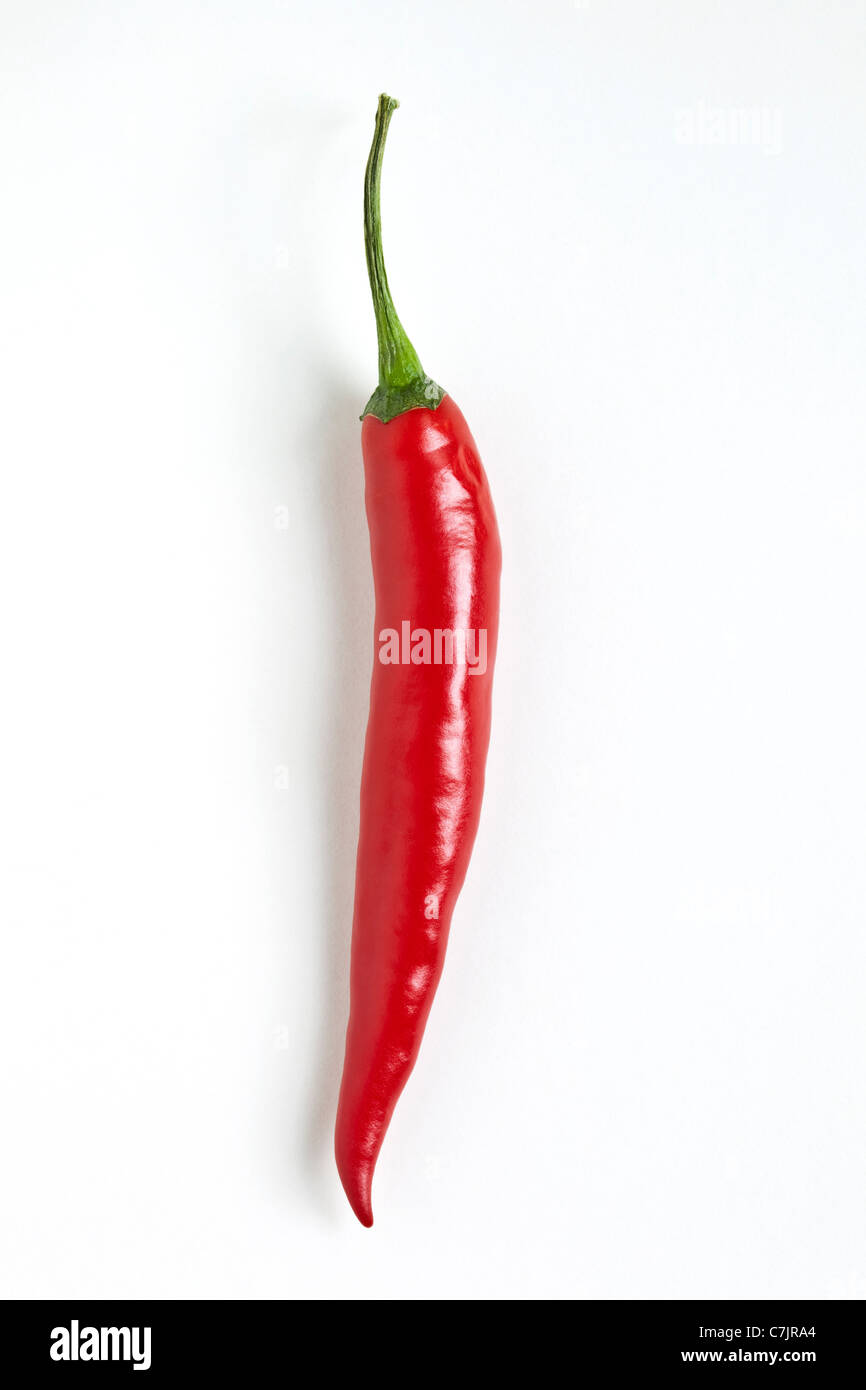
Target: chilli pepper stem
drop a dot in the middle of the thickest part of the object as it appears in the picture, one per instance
(398, 360)
(403, 383)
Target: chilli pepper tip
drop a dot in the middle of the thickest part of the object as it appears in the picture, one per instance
(357, 1180)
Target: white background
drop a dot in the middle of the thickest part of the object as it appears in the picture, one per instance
(643, 1075)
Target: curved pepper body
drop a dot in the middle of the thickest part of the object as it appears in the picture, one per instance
(436, 561)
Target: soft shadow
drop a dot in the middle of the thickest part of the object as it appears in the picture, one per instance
(311, 452)
(347, 604)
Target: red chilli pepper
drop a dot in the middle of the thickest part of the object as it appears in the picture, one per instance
(436, 563)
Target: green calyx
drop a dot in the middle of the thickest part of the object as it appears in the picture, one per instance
(403, 383)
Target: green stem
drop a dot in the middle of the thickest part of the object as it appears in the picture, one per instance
(403, 383)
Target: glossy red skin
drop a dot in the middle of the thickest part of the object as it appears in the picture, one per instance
(436, 562)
